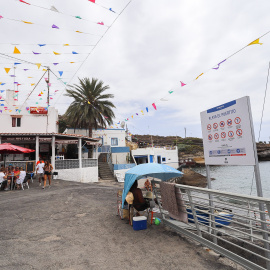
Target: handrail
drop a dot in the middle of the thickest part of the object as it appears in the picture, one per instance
(236, 235)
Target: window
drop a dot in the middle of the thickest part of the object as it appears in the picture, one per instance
(16, 122)
(114, 141)
(163, 159)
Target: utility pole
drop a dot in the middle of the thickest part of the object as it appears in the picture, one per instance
(48, 98)
(185, 132)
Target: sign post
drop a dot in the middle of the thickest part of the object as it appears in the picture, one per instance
(228, 139)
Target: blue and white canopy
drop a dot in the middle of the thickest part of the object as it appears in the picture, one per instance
(156, 170)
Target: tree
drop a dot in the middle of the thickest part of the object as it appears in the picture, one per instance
(91, 107)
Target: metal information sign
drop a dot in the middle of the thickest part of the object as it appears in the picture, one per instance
(228, 136)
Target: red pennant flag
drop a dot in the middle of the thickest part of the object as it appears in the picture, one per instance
(93, 1)
(24, 2)
(182, 84)
(154, 105)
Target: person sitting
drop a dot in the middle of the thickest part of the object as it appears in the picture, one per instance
(148, 185)
(3, 179)
(21, 177)
(16, 174)
(139, 203)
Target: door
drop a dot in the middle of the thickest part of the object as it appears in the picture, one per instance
(151, 158)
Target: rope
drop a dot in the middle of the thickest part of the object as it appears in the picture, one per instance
(266, 86)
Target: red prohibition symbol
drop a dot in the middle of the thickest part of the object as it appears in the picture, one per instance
(237, 120)
(230, 134)
(239, 132)
(216, 136)
(229, 122)
(223, 135)
(215, 125)
(209, 127)
(210, 137)
(222, 124)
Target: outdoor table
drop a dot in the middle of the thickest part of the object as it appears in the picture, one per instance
(12, 180)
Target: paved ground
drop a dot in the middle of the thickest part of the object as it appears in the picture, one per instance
(74, 226)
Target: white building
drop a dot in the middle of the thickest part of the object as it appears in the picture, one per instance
(23, 119)
(113, 142)
(162, 155)
(37, 128)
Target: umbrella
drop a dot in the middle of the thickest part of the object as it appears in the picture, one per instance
(160, 171)
(8, 148)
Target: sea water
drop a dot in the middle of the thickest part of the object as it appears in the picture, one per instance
(239, 179)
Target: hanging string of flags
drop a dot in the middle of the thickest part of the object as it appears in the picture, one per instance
(54, 9)
(53, 26)
(42, 66)
(216, 67)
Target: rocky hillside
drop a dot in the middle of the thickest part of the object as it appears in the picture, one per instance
(189, 147)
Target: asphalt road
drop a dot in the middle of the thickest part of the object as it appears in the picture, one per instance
(74, 226)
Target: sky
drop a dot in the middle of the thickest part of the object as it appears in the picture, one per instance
(143, 51)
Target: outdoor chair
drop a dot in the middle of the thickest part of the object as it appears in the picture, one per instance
(54, 175)
(25, 182)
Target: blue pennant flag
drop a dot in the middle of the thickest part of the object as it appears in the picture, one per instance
(60, 73)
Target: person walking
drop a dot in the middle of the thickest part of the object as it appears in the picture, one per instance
(47, 173)
(40, 170)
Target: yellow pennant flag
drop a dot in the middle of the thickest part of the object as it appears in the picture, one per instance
(29, 77)
(256, 41)
(72, 62)
(132, 116)
(41, 93)
(38, 65)
(7, 70)
(199, 76)
(10, 110)
(56, 53)
(78, 32)
(16, 51)
(142, 112)
(32, 84)
(66, 45)
(27, 22)
(44, 69)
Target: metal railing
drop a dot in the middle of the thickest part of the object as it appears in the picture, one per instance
(25, 164)
(104, 149)
(233, 225)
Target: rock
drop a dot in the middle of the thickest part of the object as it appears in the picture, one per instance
(192, 178)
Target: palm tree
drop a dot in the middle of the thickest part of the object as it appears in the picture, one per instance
(91, 107)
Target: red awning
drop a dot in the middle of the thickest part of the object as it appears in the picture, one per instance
(8, 148)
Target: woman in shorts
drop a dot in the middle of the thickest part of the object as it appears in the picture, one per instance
(47, 173)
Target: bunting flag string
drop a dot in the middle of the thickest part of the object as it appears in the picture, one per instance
(53, 26)
(216, 67)
(55, 10)
(48, 44)
(110, 9)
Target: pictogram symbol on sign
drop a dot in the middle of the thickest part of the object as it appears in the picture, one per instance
(237, 120)
(210, 137)
(229, 151)
(218, 152)
(223, 135)
(229, 122)
(238, 151)
(239, 132)
(216, 136)
(222, 124)
(215, 125)
(209, 127)
(230, 134)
